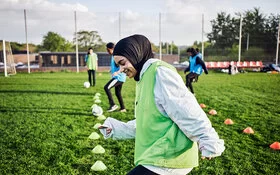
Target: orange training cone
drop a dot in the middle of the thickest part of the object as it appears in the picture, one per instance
(212, 112)
(228, 121)
(248, 130)
(202, 105)
(275, 145)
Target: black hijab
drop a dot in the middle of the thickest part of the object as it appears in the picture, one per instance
(137, 49)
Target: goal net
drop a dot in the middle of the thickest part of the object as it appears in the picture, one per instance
(7, 64)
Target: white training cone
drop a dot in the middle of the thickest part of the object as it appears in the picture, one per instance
(98, 149)
(96, 126)
(96, 98)
(97, 101)
(98, 166)
(101, 117)
(96, 110)
(94, 136)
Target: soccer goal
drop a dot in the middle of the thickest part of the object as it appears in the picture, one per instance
(7, 64)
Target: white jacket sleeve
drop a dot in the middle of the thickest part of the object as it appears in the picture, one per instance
(181, 106)
(120, 130)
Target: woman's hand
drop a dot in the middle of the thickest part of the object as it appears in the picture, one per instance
(209, 158)
(108, 130)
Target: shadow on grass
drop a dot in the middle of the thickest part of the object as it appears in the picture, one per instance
(45, 92)
(46, 110)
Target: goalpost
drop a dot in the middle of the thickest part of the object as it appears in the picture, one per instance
(6, 58)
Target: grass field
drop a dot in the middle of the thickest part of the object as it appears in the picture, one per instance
(46, 119)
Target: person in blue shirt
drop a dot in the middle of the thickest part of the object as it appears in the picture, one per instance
(118, 78)
(199, 54)
(196, 65)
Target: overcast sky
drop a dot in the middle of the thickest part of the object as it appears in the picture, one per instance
(181, 20)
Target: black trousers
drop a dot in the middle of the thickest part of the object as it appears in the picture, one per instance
(118, 91)
(91, 79)
(140, 170)
(189, 79)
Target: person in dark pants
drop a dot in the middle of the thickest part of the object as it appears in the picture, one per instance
(91, 64)
(196, 65)
(229, 69)
(141, 170)
(118, 78)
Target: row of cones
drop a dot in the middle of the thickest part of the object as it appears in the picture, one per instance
(98, 149)
(248, 130)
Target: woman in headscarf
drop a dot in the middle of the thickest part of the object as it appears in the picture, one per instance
(169, 121)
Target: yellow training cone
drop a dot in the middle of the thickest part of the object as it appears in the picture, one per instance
(101, 117)
(94, 136)
(98, 166)
(96, 126)
(98, 149)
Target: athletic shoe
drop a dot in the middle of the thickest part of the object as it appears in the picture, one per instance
(112, 108)
(123, 110)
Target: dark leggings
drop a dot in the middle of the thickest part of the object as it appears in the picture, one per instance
(91, 72)
(189, 79)
(118, 89)
(140, 170)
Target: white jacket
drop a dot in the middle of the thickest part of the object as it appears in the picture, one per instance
(174, 100)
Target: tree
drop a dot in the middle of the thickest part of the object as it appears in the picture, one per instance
(254, 25)
(18, 47)
(55, 43)
(88, 39)
(271, 32)
(224, 31)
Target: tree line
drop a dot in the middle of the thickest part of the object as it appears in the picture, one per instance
(259, 38)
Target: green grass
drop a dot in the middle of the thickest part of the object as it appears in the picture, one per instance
(46, 119)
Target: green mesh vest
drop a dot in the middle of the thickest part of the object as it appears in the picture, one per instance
(91, 61)
(158, 139)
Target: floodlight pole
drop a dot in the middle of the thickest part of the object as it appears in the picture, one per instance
(179, 52)
(76, 36)
(160, 54)
(240, 36)
(167, 46)
(27, 47)
(5, 58)
(171, 48)
(202, 39)
(277, 49)
(119, 25)
(248, 38)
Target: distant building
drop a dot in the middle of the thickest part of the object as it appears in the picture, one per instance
(68, 59)
(56, 61)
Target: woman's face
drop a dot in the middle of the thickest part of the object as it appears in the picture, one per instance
(125, 66)
(189, 53)
(110, 51)
(90, 51)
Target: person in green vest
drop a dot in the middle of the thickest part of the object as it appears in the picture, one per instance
(91, 64)
(170, 126)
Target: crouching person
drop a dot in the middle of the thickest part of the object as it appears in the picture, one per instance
(170, 126)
